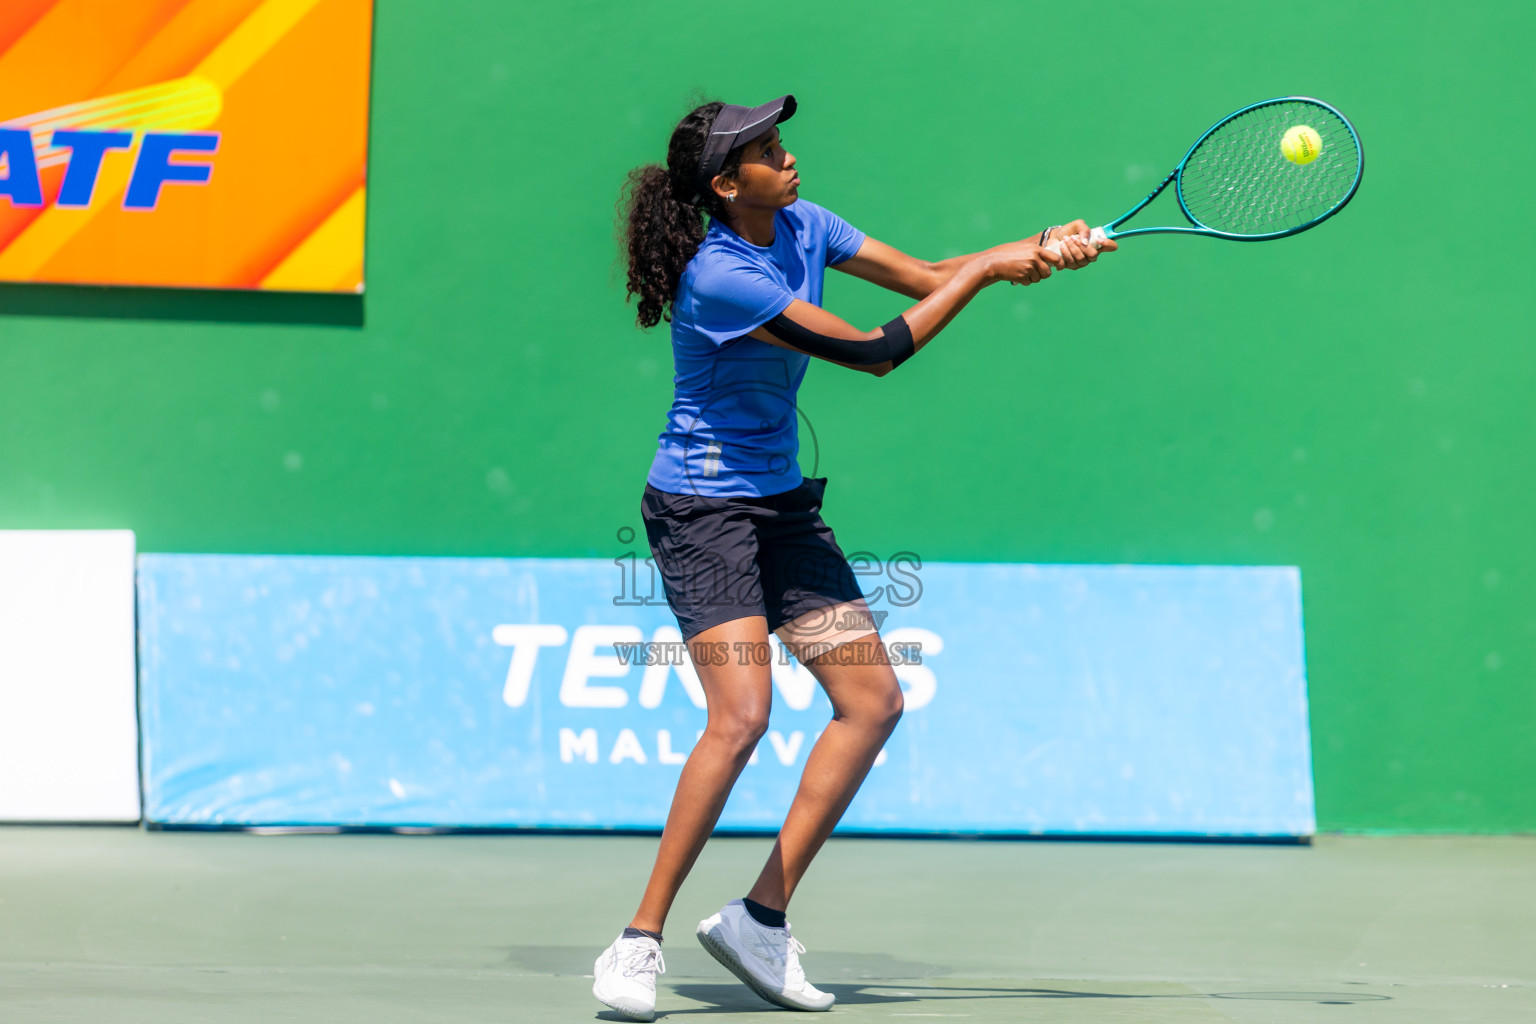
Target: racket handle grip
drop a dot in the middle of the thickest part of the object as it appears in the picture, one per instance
(1095, 237)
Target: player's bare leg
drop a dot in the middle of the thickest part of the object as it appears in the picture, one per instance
(739, 694)
(866, 705)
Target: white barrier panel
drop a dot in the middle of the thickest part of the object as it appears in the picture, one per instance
(69, 744)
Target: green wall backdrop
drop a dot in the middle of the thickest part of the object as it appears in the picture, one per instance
(1355, 401)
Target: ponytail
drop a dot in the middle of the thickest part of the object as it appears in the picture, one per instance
(661, 216)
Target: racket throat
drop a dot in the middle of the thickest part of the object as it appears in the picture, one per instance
(1109, 229)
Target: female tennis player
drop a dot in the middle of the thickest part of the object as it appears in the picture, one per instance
(721, 244)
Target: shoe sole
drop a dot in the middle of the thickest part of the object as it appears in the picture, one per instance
(722, 952)
(618, 1006)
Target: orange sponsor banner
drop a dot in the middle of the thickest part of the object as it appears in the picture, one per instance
(185, 143)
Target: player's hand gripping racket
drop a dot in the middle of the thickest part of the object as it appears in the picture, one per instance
(1270, 170)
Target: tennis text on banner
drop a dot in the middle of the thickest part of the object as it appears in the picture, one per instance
(612, 652)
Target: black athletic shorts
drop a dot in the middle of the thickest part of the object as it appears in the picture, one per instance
(728, 558)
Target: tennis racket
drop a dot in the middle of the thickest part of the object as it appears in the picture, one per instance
(1254, 176)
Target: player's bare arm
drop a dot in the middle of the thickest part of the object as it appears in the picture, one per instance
(943, 290)
(894, 270)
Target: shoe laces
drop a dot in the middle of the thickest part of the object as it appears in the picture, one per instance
(793, 972)
(645, 958)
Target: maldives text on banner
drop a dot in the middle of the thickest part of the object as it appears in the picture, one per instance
(185, 143)
(515, 693)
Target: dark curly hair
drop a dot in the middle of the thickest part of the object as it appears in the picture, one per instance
(661, 215)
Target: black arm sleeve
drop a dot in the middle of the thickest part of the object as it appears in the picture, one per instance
(894, 347)
(898, 338)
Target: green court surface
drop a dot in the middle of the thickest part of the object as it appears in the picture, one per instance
(119, 925)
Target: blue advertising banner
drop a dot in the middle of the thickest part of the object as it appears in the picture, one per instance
(440, 692)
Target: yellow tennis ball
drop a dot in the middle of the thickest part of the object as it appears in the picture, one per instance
(1301, 145)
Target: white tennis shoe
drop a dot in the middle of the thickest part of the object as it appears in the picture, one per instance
(766, 959)
(624, 976)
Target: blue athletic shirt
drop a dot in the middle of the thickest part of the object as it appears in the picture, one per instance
(733, 430)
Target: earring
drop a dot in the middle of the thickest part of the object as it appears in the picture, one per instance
(731, 198)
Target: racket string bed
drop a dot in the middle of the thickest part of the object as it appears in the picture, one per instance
(1239, 182)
